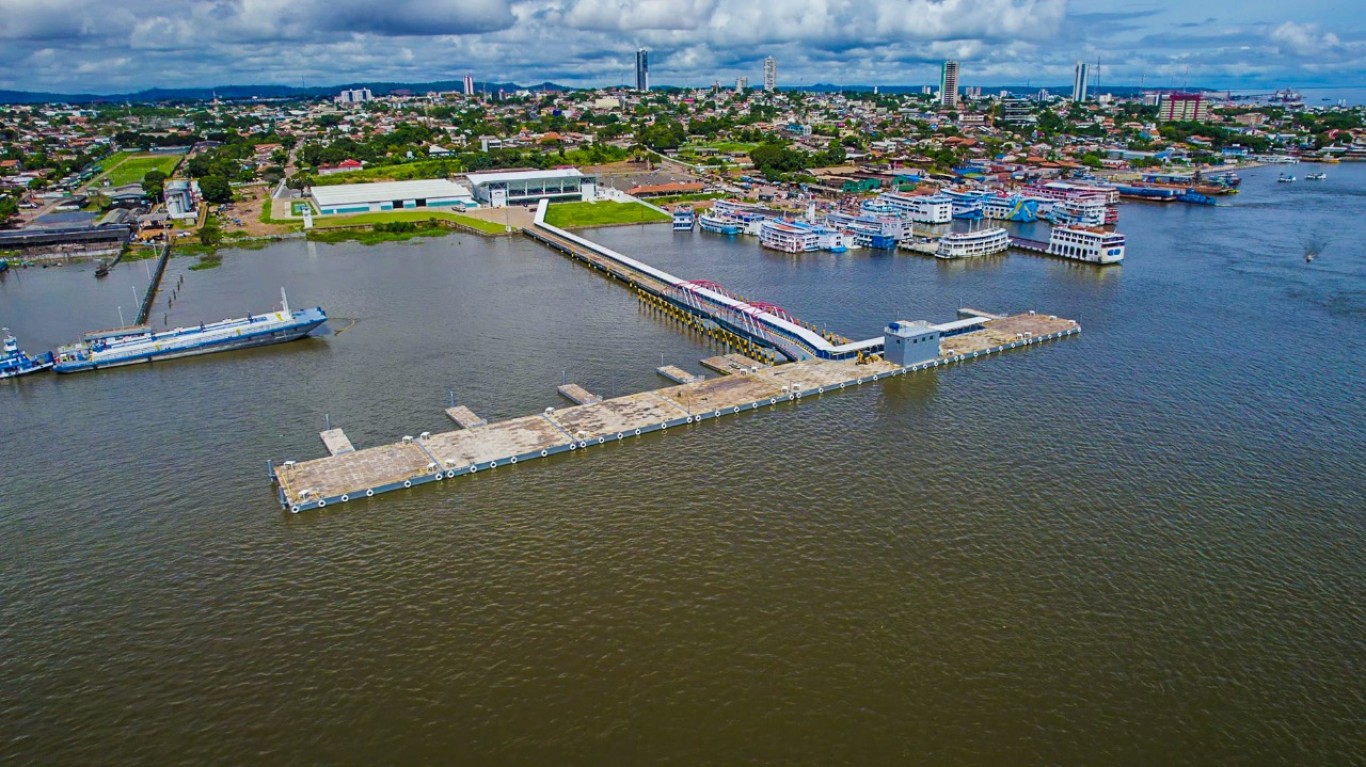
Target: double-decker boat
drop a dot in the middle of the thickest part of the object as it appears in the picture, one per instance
(718, 225)
(1079, 243)
(981, 242)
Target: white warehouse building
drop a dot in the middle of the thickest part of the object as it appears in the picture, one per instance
(528, 186)
(391, 195)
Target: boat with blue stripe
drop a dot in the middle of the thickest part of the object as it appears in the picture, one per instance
(138, 344)
(14, 362)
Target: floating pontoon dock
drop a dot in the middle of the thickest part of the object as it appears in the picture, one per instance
(825, 365)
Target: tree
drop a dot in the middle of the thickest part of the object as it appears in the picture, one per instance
(215, 188)
(153, 182)
(210, 234)
(835, 155)
(8, 207)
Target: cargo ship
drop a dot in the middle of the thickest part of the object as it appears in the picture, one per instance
(138, 344)
(14, 362)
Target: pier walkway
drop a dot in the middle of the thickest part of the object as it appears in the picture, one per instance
(765, 324)
(503, 445)
(824, 364)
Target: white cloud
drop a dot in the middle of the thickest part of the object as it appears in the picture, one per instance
(590, 42)
(1304, 39)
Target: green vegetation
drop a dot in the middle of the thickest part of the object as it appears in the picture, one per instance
(207, 261)
(385, 217)
(576, 214)
(215, 189)
(676, 198)
(132, 169)
(394, 231)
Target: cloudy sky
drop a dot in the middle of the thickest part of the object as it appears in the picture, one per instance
(101, 46)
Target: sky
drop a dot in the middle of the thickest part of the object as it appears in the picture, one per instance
(98, 46)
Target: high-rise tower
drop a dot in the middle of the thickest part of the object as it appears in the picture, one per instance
(770, 74)
(642, 70)
(1079, 82)
(948, 84)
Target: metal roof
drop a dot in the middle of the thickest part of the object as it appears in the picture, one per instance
(522, 175)
(386, 191)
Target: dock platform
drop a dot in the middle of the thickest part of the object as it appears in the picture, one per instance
(729, 364)
(577, 394)
(677, 374)
(500, 446)
(465, 418)
(336, 441)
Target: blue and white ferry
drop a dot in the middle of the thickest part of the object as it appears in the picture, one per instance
(14, 362)
(138, 344)
(684, 220)
(718, 225)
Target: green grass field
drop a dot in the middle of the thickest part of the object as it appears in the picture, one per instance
(720, 146)
(133, 168)
(416, 216)
(573, 214)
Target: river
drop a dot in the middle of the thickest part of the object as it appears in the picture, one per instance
(1141, 545)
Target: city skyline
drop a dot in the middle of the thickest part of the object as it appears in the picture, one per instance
(590, 43)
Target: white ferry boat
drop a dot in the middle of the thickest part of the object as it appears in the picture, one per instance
(746, 214)
(716, 225)
(920, 208)
(967, 203)
(1087, 211)
(1079, 243)
(138, 344)
(788, 236)
(684, 220)
(982, 242)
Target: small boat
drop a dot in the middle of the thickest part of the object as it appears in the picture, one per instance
(1315, 176)
(4, 265)
(1285, 179)
(102, 270)
(14, 362)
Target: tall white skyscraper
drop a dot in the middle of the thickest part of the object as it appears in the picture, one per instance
(770, 74)
(469, 85)
(741, 84)
(642, 70)
(1079, 82)
(948, 84)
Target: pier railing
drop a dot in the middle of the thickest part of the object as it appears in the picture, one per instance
(146, 310)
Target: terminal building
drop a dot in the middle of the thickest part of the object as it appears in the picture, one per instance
(391, 195)
(524, 187)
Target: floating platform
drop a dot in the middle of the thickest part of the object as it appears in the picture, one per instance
(465, 418)
(336, 441)
(677, 375)
(577, 394)
(501, 446)
(727, 364)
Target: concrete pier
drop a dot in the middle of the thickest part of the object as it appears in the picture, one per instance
(727, 364)
(501, 446)
(577, 394)
(464, 417)
(336, 441)
(820, 367)
(677, 375)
